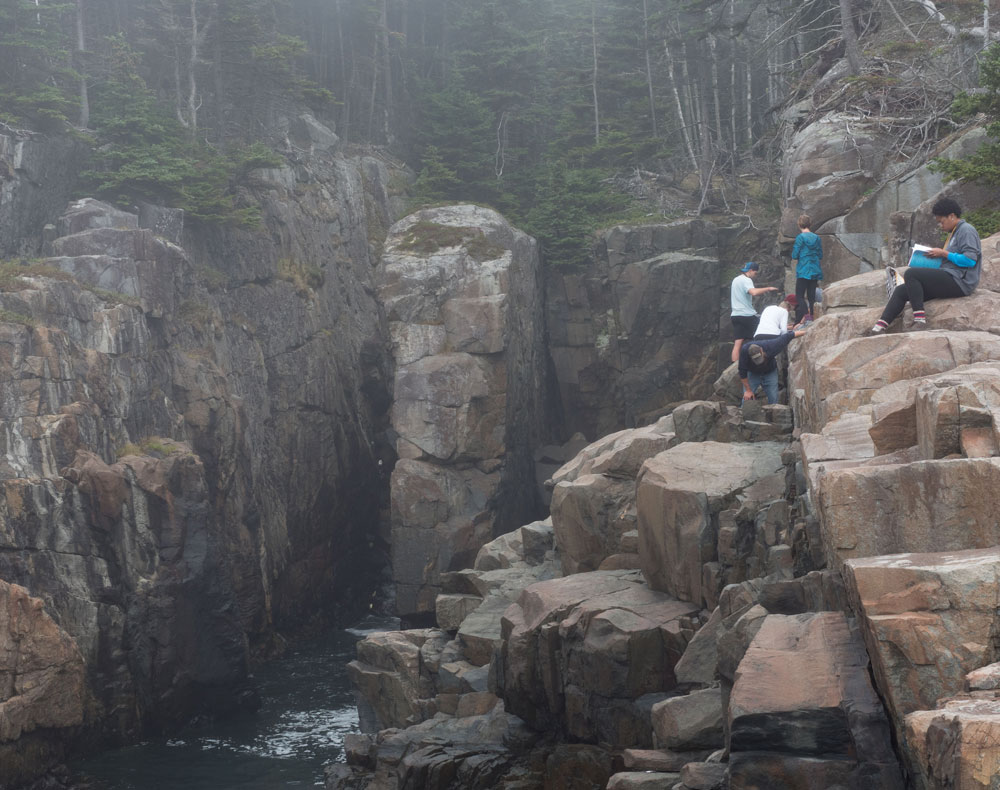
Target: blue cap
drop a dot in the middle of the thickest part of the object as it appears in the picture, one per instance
(750, 267)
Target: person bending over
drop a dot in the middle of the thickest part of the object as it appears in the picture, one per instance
(758, 366)
(958, 274)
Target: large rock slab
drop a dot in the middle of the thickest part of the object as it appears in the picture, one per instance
(461, 289)
(620, 454)
(928, 619)
(590, 515)
(679, 495)
(802, 695)
(957, 745)
(842, 378)
(918, 507)
(579, 653)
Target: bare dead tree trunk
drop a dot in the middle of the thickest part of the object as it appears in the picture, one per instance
(733, 104)
(193, 103)
(81, 49)
(374, 91)
(649, 70)
(850, 36)
(386, 68)
(986, 23)
(219, 85)
(593, 81)
(680, 107)
(345, 111)
(749, 98)
(707, 159)
(715, 88)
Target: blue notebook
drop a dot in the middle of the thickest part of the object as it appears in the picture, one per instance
(921, 261)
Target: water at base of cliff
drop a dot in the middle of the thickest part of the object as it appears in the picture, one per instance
(307, 706)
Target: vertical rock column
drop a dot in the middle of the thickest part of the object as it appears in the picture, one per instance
(461, 290)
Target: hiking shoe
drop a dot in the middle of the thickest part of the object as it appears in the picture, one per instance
(874, 331)
(919, 326)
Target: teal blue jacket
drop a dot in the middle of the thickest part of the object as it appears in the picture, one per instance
(808, 251)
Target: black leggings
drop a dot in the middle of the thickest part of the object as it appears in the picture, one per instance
(804, 289)
(919, 286)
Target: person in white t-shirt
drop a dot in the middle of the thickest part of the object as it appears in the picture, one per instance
(741, 294)
(774, 319)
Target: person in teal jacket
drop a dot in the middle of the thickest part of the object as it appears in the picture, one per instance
(808, 252)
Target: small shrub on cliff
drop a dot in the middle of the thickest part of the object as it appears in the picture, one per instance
(151, 445)
(984, 165)
(304, 276)
(427, 237)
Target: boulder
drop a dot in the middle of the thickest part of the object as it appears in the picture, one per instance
(802, 692)
(842, 378)
(679, 496)
(692, 721)
(863, 290)
(917, 507)
(620, 454)
(956, 745)
(579, 652)
(928, 619)
(590, 515)
(642, 780)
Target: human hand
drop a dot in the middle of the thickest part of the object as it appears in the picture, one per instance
(936, 252)
(748, 395)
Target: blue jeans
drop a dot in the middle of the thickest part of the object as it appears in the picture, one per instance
(769, 381)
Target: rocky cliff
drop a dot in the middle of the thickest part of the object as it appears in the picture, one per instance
(463, 300)
(741, 602)
(191, 424)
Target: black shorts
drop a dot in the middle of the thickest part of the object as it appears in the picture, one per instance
(744, 326)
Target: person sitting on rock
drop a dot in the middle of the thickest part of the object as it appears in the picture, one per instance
(758, 366)
(741, 294)
(774, 319)
(958, 274)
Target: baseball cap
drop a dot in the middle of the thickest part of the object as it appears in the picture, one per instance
(750, 266)
(756, 354)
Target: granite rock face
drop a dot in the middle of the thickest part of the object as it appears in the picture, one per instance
(37, 177)
(461, 290)
(928, 620)
(956, 745)
(190, 434)
(637, 331)
(803, 712)
(581, 653)
(42, 681)
(681, 495)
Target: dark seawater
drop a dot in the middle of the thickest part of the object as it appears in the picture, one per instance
(307, 706)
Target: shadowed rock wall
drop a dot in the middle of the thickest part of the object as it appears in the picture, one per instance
(191, 437)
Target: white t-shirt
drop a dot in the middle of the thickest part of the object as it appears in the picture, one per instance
(739, 296)
(773, 321)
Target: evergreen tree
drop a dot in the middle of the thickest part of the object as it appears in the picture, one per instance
(36, 80)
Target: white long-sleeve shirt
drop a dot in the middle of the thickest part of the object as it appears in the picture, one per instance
(773, 321)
